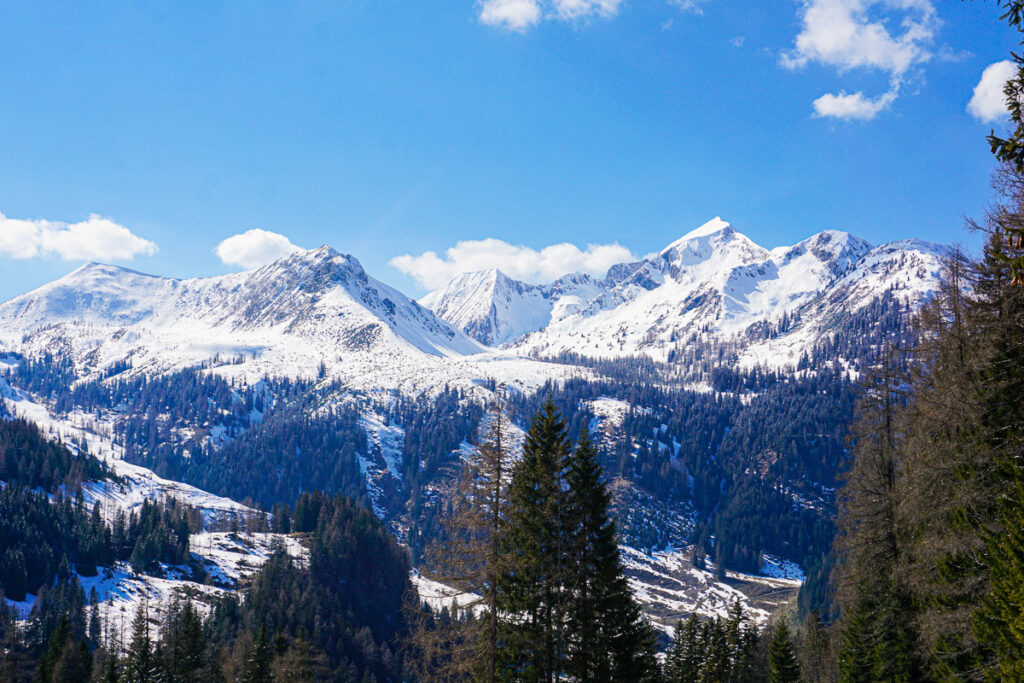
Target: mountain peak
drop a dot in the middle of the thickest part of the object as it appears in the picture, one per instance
(715, 227)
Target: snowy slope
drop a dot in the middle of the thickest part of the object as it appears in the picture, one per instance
(909, 270)
(294, 313)
(494, 309)
(715, 284)
(309, 310)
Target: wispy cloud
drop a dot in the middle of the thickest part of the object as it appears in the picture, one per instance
(254, 248)
(694, 6)
(988, 104)
(521, 15)
(517, 261)
(857, 34)
(95, 239)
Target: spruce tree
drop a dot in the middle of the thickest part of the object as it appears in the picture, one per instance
(869, 544)
(684, 658)
(140, 663)
(469, 558)
(258, 663)
(782, 664)
(1000, 622)
(534, 577)
(608, 637)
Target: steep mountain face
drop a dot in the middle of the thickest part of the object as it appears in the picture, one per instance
(310, 309)
(494, 309)
(713, 284)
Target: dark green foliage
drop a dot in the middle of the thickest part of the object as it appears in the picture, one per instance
(782, 664)
(720, 651)
(183, 641)
(258, 663)
(608, 639)
(533, 584)
(29, 458)
(348, 599)
(67, 658)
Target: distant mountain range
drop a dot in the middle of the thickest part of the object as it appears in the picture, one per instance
(393, 390)
(714, 283)
(318, 311)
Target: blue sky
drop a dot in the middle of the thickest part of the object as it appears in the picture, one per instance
(390, 128)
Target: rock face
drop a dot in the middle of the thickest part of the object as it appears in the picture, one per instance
(713, 284)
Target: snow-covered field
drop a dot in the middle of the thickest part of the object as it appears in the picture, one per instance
(669, 588)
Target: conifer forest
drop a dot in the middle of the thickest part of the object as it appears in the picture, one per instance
(715, 463)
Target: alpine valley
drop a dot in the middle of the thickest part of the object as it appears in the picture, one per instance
(717, 378)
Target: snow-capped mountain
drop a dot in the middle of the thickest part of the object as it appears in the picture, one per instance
(286, 318)
(713, 283)
(494, 309)
(318, 312)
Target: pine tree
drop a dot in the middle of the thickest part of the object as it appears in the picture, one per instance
(684, 658)
(1000, 622)
(185, 643)
(110, 671)
(609, 639)
(869, 544)
(533, 582)
(469, 557)
(300, 663)
(140, 664)
(258, 667)
(782, 664)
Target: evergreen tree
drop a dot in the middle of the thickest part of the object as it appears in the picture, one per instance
(532, 592)
(258, 664)
(301, 663)
(1000, 622)
(869, 545)
(608, 637)
(469, 557)
(140, 665)
(782, 663)
(184, 643)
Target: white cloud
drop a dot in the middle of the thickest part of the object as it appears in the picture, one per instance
(514, 15)
(688, 5)
(855, 106)
(856, 34)
(988, 103)
(254, 248)
(520, 15)
(581, 9)
(516, 261)
(95, 239)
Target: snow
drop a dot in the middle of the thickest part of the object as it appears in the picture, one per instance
(669, 588)
(715, 284)
(227, 558)
(609, 411)
(494, 309)
(140, 484)
(438, 596)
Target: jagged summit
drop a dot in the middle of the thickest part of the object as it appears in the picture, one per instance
(712, 282)
(715, 226)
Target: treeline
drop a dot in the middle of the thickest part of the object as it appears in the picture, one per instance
(759, 470)
(731, 649)
(928, 575)
(44, 522)
(533, 548)
(336, 617)
(28, 457)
